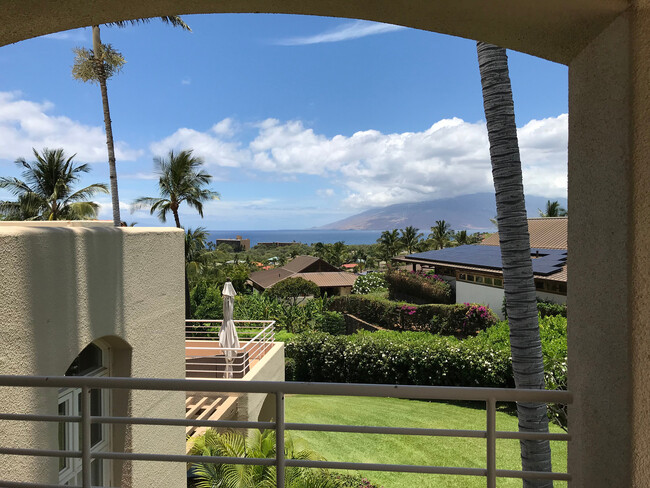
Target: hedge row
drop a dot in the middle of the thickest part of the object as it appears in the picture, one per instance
(545, 308)
(418, 286)
(412, 358)
(461, 320)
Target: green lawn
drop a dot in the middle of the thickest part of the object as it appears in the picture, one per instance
(392, 449)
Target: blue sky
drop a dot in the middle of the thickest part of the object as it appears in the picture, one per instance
(301, 120)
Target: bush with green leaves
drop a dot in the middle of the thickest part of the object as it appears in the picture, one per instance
(415, 358)
(293, 290)
(418, 286)
(369, 283)
(453, 319)
(546, 308)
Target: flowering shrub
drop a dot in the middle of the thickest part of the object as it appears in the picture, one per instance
(408, 309)
(369, 283)
(415, 358)
(418, 286)
(434, 318)
(478, 315)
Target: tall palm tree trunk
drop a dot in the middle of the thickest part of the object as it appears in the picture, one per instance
(518, 281)
(108, 126)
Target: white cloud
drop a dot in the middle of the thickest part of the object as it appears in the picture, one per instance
(74, 35)
(344, 32)
(448, 159)
(207, 145)
(186, 81)
(25, 124)
(325, 192)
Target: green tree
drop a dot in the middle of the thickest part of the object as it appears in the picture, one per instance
(553, 209)
(195, 249)
(389, 245)
(47, 192)
(519, 285)
(97, 66)
(181, 180)
(410, 238)
(336, 253)
(440, 234)
(256, 445)
(293, 290)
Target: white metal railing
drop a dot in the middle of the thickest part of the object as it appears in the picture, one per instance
(488, 395)
(203, 350)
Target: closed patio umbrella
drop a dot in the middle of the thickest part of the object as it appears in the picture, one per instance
(228, 338)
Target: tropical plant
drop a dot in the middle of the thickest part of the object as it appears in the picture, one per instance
(410, 238)
(369, 283)
(97, 66)
(195, 248)
(553, 209)
(47, 192)
(389, 244)
(519, 285)
(293, 290)
(336, 253)
(461, 238)
(440, 234)
(257, 445)
(181, 180)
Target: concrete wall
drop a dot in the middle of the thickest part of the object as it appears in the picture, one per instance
(487, 295)
(260, 406)
(66, 286)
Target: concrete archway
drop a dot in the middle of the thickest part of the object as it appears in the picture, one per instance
(606, 44)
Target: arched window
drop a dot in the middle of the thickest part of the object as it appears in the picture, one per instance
(92, 361)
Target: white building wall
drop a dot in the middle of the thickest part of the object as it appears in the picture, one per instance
(66, 286)
(486, 295)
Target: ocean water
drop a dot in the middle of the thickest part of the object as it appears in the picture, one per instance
(309, 236)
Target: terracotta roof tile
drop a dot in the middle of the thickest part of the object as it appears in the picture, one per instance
(546, 232)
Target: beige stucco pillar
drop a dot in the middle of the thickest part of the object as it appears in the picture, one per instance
(609, 242)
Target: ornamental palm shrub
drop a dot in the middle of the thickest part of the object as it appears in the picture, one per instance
(418, 286)
(256, 445)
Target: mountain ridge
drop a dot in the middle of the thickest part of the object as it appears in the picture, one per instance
(465, 212)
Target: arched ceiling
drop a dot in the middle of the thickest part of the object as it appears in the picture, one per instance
(553, 29)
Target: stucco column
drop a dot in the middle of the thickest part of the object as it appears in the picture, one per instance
(609, 243)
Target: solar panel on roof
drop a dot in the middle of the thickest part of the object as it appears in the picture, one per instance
(545, 261)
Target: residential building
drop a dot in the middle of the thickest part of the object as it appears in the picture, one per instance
(475, 272)
(238, 244)
(330, 279)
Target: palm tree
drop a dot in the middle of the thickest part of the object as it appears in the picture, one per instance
(410, 238)
(440, 234)
(336, 253)
(389, 244)
(553, 209)
(195, 248)
(97, 66)
(519, 285)
(461, 238)
(181, 180)
(46, 191)
(257, 445)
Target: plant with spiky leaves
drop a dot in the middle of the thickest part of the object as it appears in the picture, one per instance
(47, 192)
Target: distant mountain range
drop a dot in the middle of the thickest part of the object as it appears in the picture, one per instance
(466, 212)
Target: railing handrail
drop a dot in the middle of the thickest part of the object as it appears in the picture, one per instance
(279, 388)
(413, 392)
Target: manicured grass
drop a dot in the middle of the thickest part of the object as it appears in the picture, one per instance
(390, 449)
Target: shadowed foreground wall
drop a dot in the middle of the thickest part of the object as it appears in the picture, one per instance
(63, 287)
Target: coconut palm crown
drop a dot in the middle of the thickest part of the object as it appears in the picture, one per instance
(181, 180)
(47, 192)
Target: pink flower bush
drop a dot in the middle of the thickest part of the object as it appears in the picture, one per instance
(476, 312)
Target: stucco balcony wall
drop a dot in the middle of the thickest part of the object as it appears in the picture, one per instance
(65, 286)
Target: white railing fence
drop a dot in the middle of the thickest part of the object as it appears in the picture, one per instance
(488, 395)
(256, 338)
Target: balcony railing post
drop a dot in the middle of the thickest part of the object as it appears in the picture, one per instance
(85, 437)
(491, 443)
(279, 438)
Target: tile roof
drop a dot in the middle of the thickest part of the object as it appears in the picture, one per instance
(299, 263)
(270, 277)
(545, 232)
(329, 279)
